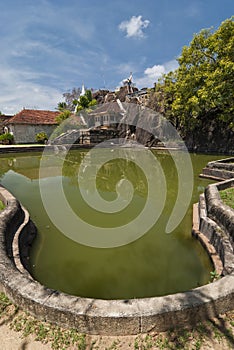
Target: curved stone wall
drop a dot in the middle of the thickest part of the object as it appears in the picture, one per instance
(95, 316)
(216, 223)
(218, 211)
(219, 169)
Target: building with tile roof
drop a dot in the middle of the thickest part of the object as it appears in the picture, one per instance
(26, 124)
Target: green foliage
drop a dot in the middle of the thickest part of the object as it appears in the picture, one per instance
(92, 103)
(214, 276)
(63, 116)
(85, 102)
(69, 97)
(41, 137)
(73, 99)
(88, 95)
(45, 332)
(4, 303)
(205, 78)
(62, 106)
(6, 139)
(201, 89)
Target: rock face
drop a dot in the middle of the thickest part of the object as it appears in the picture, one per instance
(149, 128)
(99, 95)
(105, 96)
(212, 137)
(136, 123)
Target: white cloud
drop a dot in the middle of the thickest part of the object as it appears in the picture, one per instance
(152, 74)
(134, 27)
(19, 91)
(39, 85)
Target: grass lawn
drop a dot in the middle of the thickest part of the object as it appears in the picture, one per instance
(2, 206)
(227, 196)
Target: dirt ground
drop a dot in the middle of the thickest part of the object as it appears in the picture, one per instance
(218, 339)
(21, 331)
(11, 340)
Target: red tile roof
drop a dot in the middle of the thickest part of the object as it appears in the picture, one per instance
(34, 116)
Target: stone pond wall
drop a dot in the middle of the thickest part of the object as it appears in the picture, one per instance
(216, 223)
(221, 169)
(95, 316)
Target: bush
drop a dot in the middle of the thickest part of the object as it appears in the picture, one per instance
(41, 137)
(6, 139)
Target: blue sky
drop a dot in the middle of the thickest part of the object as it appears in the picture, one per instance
(50, 46)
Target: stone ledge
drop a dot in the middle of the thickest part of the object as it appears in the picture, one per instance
(38, 148)
(204, 240)
(219, 170)
(95, 316)
(212, 233)
(222, 214)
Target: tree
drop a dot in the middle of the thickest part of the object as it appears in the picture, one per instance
(162, 97)
(70, 97)
(63, 116)
(85, 102)
(88, 94)
(73, 100)
(62, 106)
(205, 78)
(201, 89)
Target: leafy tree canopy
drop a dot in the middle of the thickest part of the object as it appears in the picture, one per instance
(62, 106)
(73, 100)
(69, 97)
(202, 87)
(85, 102)
(65, 114)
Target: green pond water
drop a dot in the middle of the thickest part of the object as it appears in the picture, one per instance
(155, 264)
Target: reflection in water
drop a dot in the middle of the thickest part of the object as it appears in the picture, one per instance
(155, 264)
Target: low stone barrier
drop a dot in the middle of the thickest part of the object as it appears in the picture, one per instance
(95, 316)
(39, 148)
(216, 222)
(222, 214)
(220, 169)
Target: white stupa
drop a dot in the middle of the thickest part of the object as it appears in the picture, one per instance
(81, 94)
(82, 90)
